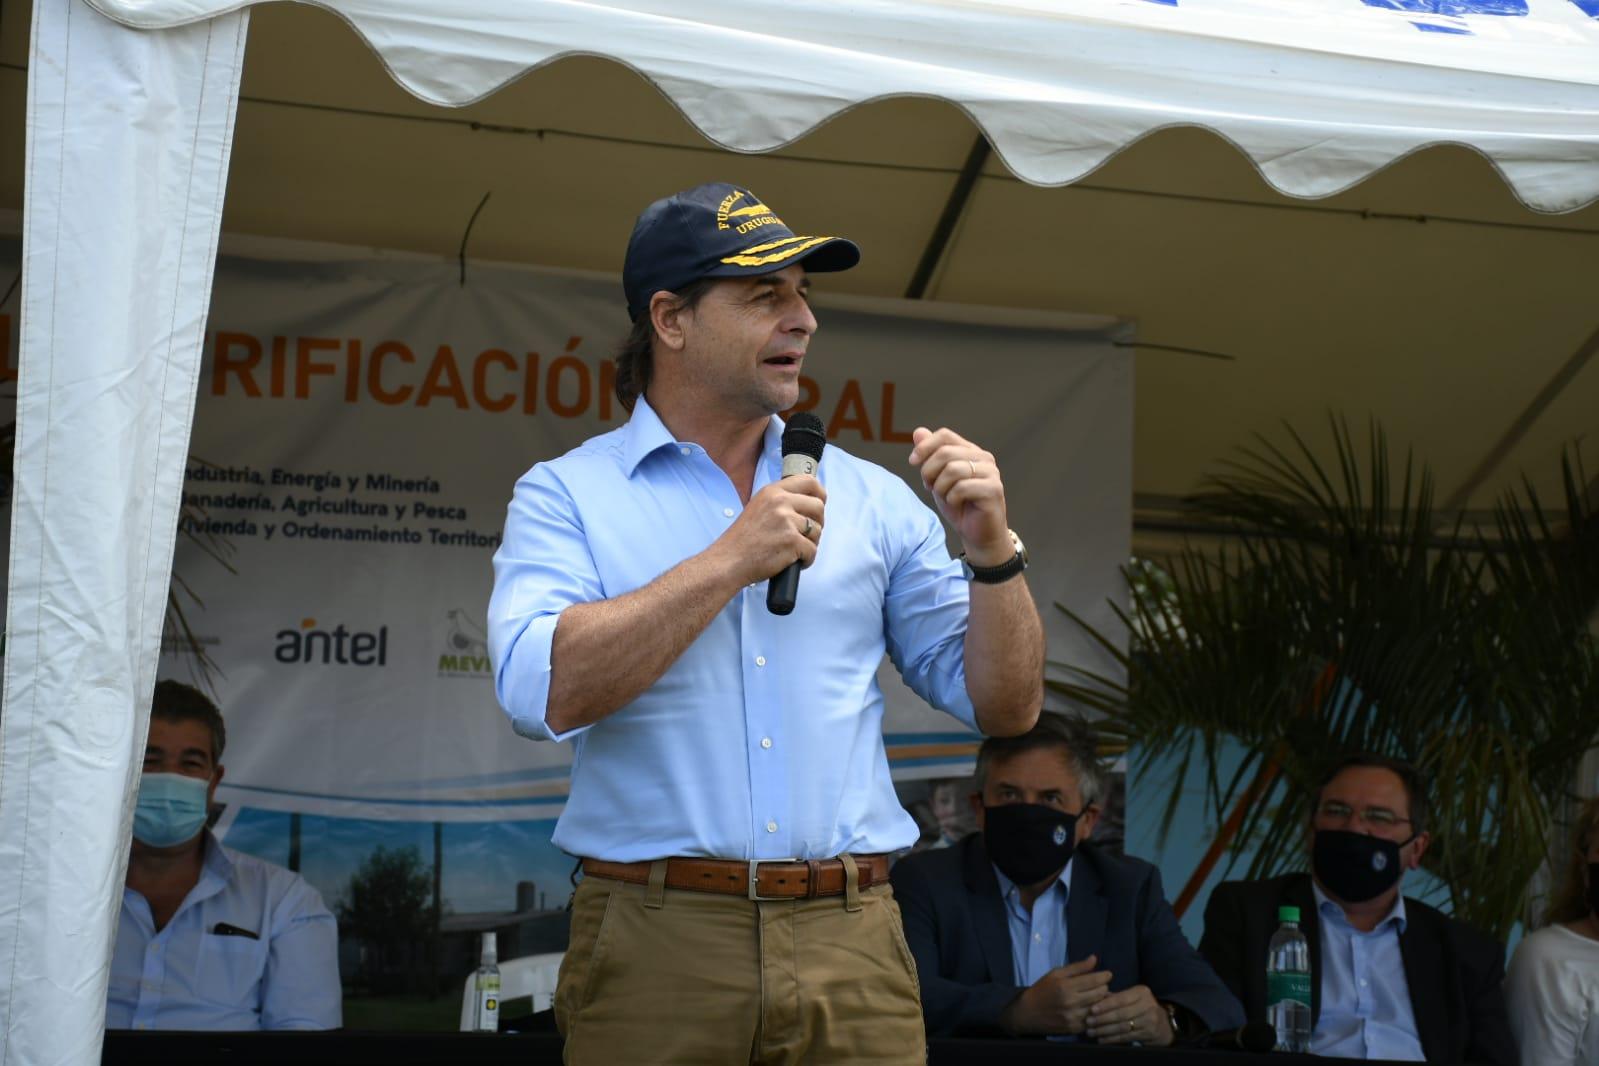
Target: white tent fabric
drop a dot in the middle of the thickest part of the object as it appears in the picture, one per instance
(128, 142)
(1318, 93)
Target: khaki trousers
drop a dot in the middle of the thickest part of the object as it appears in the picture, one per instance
(660, 975)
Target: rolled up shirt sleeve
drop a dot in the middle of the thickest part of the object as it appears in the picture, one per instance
(542, 567)
(926, 609)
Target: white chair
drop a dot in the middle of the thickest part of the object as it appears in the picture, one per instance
(531, 975)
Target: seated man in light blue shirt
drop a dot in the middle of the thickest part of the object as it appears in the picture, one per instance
(1391, 978)
(730, 793)
(209, 938)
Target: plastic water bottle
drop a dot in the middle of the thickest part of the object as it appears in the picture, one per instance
(486, 984)
(1288, 983)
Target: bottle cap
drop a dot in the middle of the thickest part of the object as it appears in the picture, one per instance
(490, 955)
(1288, 914)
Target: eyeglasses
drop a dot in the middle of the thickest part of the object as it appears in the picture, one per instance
(1380, 817)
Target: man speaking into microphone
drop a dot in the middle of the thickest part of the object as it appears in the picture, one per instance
(730, 794)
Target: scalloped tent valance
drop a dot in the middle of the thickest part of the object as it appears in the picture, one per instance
(1318, 93)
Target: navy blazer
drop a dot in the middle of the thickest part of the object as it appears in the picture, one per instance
(1454, 972)
(955, 925)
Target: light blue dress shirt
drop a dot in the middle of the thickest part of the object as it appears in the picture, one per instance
(1365, 998)
(1037, 936)
(187, 976)
(764, 739)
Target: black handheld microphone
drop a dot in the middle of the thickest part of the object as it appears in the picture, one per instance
(1256, 1037)
(803, 441)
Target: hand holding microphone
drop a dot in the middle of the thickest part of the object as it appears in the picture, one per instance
(803, 441)
(778, 528)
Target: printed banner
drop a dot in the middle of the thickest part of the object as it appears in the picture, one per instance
(359, 428)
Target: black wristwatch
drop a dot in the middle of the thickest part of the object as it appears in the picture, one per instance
(994, 575)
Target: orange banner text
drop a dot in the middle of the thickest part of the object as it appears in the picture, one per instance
(493, 380)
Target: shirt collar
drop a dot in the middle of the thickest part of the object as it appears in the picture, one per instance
(772, 446)
(216, 870)
(1007, 886)
(1325, 905)
(646, 434)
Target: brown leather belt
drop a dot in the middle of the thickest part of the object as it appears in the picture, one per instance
(756, 879)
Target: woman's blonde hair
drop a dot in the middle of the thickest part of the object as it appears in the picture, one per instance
(1570, 902)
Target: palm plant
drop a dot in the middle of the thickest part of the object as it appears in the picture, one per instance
(178, 629)
(1344, 613)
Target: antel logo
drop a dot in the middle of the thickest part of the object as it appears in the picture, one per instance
(338, 646)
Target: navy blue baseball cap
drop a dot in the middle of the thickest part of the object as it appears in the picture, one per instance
(717, 230)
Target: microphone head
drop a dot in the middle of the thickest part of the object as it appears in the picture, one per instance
(803, 435)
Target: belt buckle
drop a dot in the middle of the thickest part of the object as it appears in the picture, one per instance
(754, 881)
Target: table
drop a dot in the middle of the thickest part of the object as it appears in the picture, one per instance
(349, 1048)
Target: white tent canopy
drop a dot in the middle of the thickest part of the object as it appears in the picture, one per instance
(1318, 94)
(129, 121)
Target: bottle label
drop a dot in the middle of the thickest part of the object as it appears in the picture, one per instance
(1286, 984)
(488, 1003)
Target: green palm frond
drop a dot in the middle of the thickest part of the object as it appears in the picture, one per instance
(1344, 613)
(180, 596)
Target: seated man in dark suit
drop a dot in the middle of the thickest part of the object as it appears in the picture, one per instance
(1026, 928)
(1391, 978)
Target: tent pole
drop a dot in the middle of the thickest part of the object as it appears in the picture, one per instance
(1518, 429)
(128, 139)
(965, 182)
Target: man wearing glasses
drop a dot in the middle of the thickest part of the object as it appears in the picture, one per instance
(1391, 978)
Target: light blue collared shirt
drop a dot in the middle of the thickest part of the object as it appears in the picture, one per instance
(188, 976)
(764, 739)
(1365, 998)
(1037, 936)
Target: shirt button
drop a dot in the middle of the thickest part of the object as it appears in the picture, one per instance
(727, 512)
(771, 827)
(1038, 937)
(760, 660)
(686, 450)
(766, 742)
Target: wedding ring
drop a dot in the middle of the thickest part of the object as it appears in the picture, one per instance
(807, 530)
(973, 466)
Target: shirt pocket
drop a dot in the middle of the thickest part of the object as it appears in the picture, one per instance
(229, 971)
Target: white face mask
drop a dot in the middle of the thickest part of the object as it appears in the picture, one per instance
(171, 809)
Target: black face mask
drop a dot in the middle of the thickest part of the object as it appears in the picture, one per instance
(1353, 866)
(1028, 841)
(1593, 887)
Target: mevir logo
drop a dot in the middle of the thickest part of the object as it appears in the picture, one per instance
(466, 646)
(339, 646)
